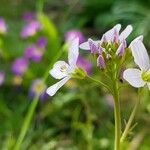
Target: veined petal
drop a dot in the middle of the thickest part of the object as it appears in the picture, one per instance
(136, 39)
(109, 35)
(86, 45)
(126, 32)
(59, 70)
(148, 84)
(133, 76)
(73, 52)
(140, 55)
(54, 88)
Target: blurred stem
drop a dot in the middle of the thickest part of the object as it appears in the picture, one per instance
(117, 116)
(40, 5)
(26, 122)
(132, 116)
(33, 105)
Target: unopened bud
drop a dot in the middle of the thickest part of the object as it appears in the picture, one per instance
(94, 47)
(101, 62)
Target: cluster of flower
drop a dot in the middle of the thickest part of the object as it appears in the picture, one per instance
(109, 50)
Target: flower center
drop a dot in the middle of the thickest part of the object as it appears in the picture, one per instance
(146, 75)
(63, 68)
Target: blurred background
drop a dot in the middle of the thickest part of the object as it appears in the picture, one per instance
(80, 116)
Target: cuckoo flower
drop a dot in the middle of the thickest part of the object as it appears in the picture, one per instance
(112, 44)
(34, 52)
(30, 29)
(139, 77)
(19, 66)
(111, 36)
(64, 71)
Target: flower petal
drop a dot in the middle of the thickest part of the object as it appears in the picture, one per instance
(73, 52)
(86, 45)
(109, 35)
(133, 76)
(126, 32)
(54, 88)
(140, 55)
(59, 70)
(136, 39)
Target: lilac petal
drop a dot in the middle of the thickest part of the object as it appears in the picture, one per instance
(72, 34)
(109, 35)
(126, 32)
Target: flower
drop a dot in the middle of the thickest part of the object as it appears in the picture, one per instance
(139, 77)
(28, 16)
(111, 36)
(3, 26)
(30, 29)
(2, 77)
(64, 71)
(34, 52)
(85, 64)
(19, 66)
(111, 45)
(42, 42)
(38, 87)
(71, 34)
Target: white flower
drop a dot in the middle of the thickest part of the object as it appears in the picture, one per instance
(139, 77)
(62, 70)
(111, 35)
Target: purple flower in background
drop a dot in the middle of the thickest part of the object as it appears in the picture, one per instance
(19, 66)
(28, 16)
(38, 87)
(42, 42)
(3, 26)
(2, 77)
(30, 29)
(71, 34)
(85, 64)
(34, 52)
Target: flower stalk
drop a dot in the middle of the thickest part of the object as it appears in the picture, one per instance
(117, 116)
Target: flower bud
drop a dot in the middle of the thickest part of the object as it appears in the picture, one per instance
(121, 49)
(101, 62)
(93, 47)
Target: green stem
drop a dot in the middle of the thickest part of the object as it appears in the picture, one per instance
(117, 117)
(26, 122)
(128, 125)
(33, 105)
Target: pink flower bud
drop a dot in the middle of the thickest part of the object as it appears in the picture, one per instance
(101, 62)
(121, 49)
(93, 47)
